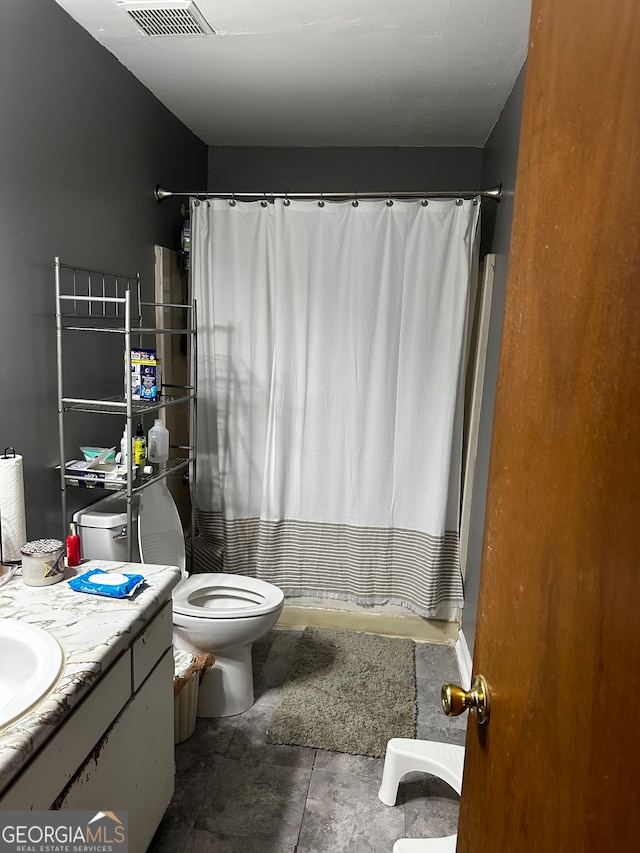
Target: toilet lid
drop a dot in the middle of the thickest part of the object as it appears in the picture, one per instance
(225, 596)
(160, 531)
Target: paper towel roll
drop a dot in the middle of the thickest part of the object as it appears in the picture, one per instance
(12, 514)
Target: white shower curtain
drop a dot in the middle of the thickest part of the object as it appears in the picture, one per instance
(331, 352)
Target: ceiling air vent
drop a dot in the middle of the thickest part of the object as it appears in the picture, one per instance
(167, 17)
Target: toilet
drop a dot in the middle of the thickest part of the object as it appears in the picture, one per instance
(222, 614)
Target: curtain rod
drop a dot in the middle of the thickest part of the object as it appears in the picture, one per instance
(495, 193)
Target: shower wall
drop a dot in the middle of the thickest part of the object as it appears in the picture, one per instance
(362, 169)
(345, 170)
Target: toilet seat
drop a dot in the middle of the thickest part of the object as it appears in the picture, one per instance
(225, 596)
(206, 595)
(160, 534)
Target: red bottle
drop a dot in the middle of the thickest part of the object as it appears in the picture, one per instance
(73, 545)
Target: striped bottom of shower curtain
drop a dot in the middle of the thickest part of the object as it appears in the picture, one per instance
(367, 565)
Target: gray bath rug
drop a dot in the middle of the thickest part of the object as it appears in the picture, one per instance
(348, 692)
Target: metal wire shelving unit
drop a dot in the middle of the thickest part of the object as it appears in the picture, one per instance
(90, 301)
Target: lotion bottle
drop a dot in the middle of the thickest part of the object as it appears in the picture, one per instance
(73, 546)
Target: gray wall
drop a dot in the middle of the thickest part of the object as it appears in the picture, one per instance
(82, 145)
(343, 169)
(499, 165)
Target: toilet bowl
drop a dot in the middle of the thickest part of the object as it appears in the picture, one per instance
(225, 614)
(222, 614)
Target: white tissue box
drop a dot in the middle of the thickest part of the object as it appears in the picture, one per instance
(88, 475)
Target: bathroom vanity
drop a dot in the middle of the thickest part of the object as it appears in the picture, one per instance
(102, 739)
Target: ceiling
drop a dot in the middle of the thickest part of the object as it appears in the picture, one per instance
(325, 72)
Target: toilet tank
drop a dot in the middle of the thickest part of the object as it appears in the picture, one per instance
(103, 531)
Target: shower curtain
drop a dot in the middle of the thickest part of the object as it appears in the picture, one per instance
(331, 360)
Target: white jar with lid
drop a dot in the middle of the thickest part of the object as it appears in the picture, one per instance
(42, 562)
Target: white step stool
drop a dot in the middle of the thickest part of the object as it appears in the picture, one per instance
(404, 755)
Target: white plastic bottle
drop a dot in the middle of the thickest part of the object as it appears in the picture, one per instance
(123, 448)
(158, 442)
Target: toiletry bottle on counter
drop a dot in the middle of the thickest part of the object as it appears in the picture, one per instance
(73, 545)
(139, 447)
(158, 443)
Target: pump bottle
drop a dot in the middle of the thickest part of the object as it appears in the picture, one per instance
(73, 546)
(139, 447)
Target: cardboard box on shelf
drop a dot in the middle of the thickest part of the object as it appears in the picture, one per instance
(146, 375)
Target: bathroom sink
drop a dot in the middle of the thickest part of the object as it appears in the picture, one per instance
(31, 662)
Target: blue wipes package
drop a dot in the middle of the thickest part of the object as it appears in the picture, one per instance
(111, 584)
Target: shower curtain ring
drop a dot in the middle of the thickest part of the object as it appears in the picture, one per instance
(321, 202)
(232, 200)
(459, 200)
(355, 200)
(389, 201)
(263, 203)
(286, 200)
(425, 201)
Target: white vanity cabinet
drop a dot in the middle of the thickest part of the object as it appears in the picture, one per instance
(114, 751)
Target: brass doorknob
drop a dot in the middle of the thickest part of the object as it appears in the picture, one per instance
(455, 700)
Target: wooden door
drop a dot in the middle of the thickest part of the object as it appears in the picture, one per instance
(558, 637)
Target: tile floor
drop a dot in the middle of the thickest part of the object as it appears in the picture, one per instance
(237, 794)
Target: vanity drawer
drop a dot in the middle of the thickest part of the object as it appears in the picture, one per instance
(132, 767)
(46, 775)
(150, 645)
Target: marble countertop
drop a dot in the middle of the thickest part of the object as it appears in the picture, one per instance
(92, 630)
